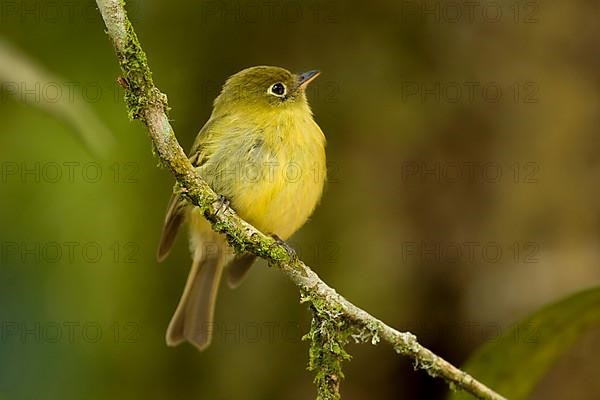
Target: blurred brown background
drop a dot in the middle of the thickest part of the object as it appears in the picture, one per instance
(463, 150)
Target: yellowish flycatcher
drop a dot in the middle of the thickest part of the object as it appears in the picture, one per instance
(262, 151)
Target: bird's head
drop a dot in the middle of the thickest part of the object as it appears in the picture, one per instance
(265, 89)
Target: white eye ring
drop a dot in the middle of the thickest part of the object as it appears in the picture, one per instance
(277, 89)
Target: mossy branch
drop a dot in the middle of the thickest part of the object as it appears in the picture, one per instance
(335, 319)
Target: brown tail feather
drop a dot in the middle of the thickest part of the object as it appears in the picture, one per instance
(193, 318)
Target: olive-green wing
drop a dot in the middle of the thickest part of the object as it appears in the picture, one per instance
(173, 220)
(238, 268)
(177, 205)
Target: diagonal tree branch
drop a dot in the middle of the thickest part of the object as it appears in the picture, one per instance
(336, 320)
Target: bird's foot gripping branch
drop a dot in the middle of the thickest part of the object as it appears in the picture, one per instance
(336, 321)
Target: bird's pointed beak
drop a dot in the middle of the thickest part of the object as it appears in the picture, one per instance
(307, 77)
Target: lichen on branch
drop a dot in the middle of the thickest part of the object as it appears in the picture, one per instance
(329, 333)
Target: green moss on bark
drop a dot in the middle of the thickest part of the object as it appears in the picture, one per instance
(329, 333)
(140, 90)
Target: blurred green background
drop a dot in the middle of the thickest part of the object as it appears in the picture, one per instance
(463, 157)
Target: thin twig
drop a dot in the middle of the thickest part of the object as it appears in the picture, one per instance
(147, 103)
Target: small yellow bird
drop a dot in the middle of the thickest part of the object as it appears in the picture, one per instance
(262, 150)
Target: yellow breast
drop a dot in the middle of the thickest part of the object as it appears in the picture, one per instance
(283, 178)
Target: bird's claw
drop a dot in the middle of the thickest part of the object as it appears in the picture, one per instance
(222, 205)
(290, 251)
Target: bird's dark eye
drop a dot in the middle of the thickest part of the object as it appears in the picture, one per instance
(277, 89)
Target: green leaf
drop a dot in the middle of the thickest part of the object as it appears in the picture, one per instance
(17, 71)
(516, 362)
